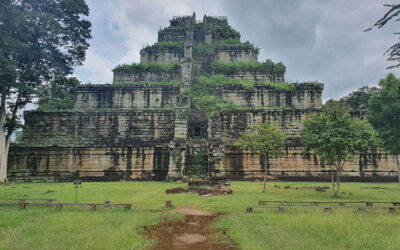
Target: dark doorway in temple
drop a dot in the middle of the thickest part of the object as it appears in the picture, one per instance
(197, 125)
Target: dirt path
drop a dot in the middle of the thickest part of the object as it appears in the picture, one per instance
(190, 233)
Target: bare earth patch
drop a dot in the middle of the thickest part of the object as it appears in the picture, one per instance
(190, 233)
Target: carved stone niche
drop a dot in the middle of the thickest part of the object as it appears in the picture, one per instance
(197, 125)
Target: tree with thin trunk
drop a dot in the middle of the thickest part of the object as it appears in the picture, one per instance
(266, 140)
(39, 41)
(392, 14)
(385, 115)
(336, 138)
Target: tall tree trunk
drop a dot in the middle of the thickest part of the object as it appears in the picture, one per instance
(339, 166)
(3, 140)
(398, 166)
(337, 183)
(265, 172)
(332, 179)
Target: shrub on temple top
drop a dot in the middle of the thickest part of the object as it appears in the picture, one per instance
(149, 67)
(224, 32)
(268, 67)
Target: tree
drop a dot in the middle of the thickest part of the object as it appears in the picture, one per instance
(394, 51)
(335, 137)
(266, 140)
(39, 41)
(385, 115)
(59, 94)
(358, 100)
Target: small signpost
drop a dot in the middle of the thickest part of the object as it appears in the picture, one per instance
(76, 185)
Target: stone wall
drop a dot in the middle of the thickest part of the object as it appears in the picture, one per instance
(234, 123)
(304, 96)
(125, 97)
(171, 34)
(98, 128)
(120, 76)
(235, 53)
(88, 163)
(258, 76)
(161, 54)
(295, 165)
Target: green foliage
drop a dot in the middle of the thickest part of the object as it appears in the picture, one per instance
(58, 95)
(385, 113)
(335, 137)
(170, 82)
(18, 136)
(149, 67)
(358, 100)
(45, 228)
(254, 48)
(268, 67)
(285, 86)
(173, 22)
(39, 41)
(201, 50)
(224, 32)
(213, 81)
(205, 99)
(224, 81)
(229, 41)
(264, 139)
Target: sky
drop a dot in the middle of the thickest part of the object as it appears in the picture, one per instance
(317, 40)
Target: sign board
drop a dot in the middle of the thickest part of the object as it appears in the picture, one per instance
(77, 182)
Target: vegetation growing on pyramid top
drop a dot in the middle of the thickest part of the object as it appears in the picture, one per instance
(171, 82)
(224, 81)
(267, 67)
(149, 67)
(225, 32)
(205, 98)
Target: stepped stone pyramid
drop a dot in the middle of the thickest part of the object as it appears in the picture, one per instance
(177, 113)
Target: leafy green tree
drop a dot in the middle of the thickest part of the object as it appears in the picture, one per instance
(358, 100)
(394, 51)
(385, 115)
(59, 94)
(335, 137)
(266, 140)
(39, 41)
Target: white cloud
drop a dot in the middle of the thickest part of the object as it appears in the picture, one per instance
(96, 68)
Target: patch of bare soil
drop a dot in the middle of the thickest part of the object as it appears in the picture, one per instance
(193, 232)
(193, 211)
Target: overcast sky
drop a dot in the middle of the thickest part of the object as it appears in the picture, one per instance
(316, 39)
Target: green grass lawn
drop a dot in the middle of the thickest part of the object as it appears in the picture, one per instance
(117, 228)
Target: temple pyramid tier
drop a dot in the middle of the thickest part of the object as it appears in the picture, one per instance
(177, 114)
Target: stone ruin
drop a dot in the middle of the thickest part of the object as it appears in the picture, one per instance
(155, 121)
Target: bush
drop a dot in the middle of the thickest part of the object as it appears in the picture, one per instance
(224, 32)
(268, 67)
(149, 67)
(171, 82)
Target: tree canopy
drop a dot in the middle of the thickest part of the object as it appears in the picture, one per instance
(266, 140)
(385, 115)
(335, 138)
(39, 41)
(59, 94)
